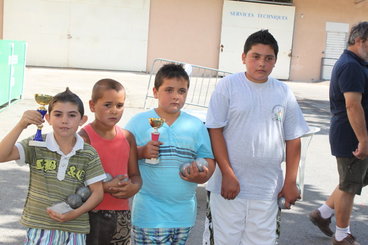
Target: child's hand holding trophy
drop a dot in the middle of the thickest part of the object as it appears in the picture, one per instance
(155, 123)
(42, 100)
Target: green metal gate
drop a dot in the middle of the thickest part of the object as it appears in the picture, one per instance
(12, 64)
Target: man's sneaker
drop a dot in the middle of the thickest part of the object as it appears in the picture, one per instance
(323, 224)
(349, 240)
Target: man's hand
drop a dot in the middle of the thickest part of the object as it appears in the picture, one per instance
(362, 151)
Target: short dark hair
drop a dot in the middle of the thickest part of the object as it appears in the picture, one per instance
(359, 30)
(169, 71)
(103, 85)
(261, 37)
(67, 96)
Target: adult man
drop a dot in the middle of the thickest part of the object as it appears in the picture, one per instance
(348, 135)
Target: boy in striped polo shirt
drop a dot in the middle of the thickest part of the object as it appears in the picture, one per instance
(64, 164)
(164, 210)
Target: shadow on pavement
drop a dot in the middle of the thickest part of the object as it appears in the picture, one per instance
(317, 113)
(14, 186)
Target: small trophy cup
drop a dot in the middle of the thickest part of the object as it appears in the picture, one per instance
(42, 100)
(155, 123)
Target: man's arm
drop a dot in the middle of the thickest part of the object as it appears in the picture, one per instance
(356, 116)
(230, 186)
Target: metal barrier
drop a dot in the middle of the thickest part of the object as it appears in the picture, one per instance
(12, 65)
(202, 83)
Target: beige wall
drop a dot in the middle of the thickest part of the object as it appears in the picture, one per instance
(310, 35)
(187, 31)
(190, 31)
(1, 18)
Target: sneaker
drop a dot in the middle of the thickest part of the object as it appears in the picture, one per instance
(349, 240)
(323, 224)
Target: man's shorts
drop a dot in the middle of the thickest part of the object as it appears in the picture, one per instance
(352, 173)
(109, 227)
(160, 236)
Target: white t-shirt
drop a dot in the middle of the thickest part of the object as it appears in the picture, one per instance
(257, 119)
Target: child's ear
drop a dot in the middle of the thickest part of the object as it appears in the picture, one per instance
(243, 57)
(83, 120)
(91, 106)
(155, 92)
(47, 117)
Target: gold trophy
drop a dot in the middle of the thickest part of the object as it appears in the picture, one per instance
(155, 123)
(42, 100)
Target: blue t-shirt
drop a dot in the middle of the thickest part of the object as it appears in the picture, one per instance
(165, 200)
(350, 74)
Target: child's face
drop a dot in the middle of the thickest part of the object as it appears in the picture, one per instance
(109, 108)
(259, 61)
(65, 119)
(171, 95)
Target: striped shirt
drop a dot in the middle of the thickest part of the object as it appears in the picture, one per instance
(166, 200)
(53, 177)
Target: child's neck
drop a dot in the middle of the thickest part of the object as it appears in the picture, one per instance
(104, 131)
(170, 118)
(66, 145)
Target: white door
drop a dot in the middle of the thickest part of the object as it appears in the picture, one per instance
(240, 19)
(336, 41)
(93, 34)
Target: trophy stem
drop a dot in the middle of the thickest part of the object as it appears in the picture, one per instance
(155, 136)
(155, 124)
(38, 136)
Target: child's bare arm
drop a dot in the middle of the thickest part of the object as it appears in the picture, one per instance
(84, 135)
(127, 189)
(8, 151)
(230, 186)
(95, 198)
(290, 190)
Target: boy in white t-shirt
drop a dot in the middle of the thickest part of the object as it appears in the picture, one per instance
(255, 123)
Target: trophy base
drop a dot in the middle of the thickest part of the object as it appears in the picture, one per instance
(61, 207)
(37, 143)
(153, 161)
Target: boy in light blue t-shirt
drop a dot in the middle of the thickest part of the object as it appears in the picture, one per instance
(164, 210)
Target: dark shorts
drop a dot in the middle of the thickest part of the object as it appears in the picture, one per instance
(109, 227)
(353, 174)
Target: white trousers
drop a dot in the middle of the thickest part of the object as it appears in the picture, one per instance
(242, 221)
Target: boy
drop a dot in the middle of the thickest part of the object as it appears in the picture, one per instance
(110, 220)
(251, 117)
(56, 171)
(165, 208)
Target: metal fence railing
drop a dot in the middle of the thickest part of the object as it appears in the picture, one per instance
(202, 83)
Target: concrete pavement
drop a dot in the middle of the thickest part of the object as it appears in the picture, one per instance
(320, 174)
